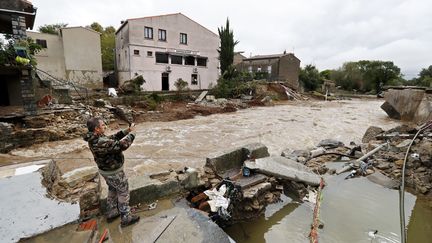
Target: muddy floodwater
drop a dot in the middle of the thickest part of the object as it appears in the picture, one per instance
(161, 145)
(351, 208)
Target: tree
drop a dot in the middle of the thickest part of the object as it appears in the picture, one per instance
(378, 74)
(426, 72)
(97, 27)
(51, 28)
(107, 44)
(226, 50)
(367, 75)
(310, 77)
(424, 78)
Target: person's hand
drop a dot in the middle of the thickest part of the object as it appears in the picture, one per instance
(131, 128)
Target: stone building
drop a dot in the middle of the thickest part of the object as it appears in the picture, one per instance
(280, 67)
(16, 82)
(74, 54)
(166, 48)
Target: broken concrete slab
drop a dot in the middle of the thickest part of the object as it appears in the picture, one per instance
(178, 225)
(383, 180)
(407, 105)
(26, 210)
(144, 189)
(256, 150)
(255, 190)
(424, 111)
(284, 168)
(222, 162)
(246, 182)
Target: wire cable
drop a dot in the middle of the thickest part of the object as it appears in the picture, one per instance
(402, 187)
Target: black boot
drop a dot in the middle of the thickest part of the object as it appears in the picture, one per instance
(112, 215)
(128, 219)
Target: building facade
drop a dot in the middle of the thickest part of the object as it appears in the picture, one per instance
(164, 49)
(281, 67)
(72, 55)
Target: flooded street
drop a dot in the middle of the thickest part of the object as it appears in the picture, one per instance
(350, 208)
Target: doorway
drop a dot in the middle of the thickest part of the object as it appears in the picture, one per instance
(165, 81)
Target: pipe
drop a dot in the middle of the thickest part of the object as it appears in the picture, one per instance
(373, 151)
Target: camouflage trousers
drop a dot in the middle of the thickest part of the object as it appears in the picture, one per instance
(118, 192)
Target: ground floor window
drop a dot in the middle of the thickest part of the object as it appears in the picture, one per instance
(194, 79)
(161, 57)
(190, 60)
(202, 61)
(176, 59)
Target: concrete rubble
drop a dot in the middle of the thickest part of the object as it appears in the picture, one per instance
(383, 167)
(284, 168)
(408, 105)
(254, 180)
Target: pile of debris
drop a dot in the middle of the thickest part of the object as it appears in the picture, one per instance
(380, 157)
(240, 183)
(59, 122)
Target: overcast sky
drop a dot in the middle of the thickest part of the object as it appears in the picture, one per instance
(325, 33)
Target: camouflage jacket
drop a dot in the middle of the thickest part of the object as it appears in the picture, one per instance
(108, 150)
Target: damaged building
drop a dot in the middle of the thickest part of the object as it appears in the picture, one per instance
(74, 55)
(283, 67)
(166, 48)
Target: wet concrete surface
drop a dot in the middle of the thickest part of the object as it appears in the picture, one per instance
(169, 222)
(25, 210)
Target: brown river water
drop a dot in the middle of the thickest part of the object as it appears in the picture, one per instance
(350, 208)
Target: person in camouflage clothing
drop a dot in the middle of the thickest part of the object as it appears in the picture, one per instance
(108, 155)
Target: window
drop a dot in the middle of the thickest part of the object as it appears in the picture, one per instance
(176, 59)
(250, 69)
(259, 69)
(161, 57)
(162, 35)
(202, 61)
(183, 38)
(42, 43)
(269, 69)
(136, 52)
(148, 32)
(149, 54)
(190, 60)
(194, 80)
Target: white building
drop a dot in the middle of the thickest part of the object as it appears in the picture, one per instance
(166, 48)
(73, 55)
